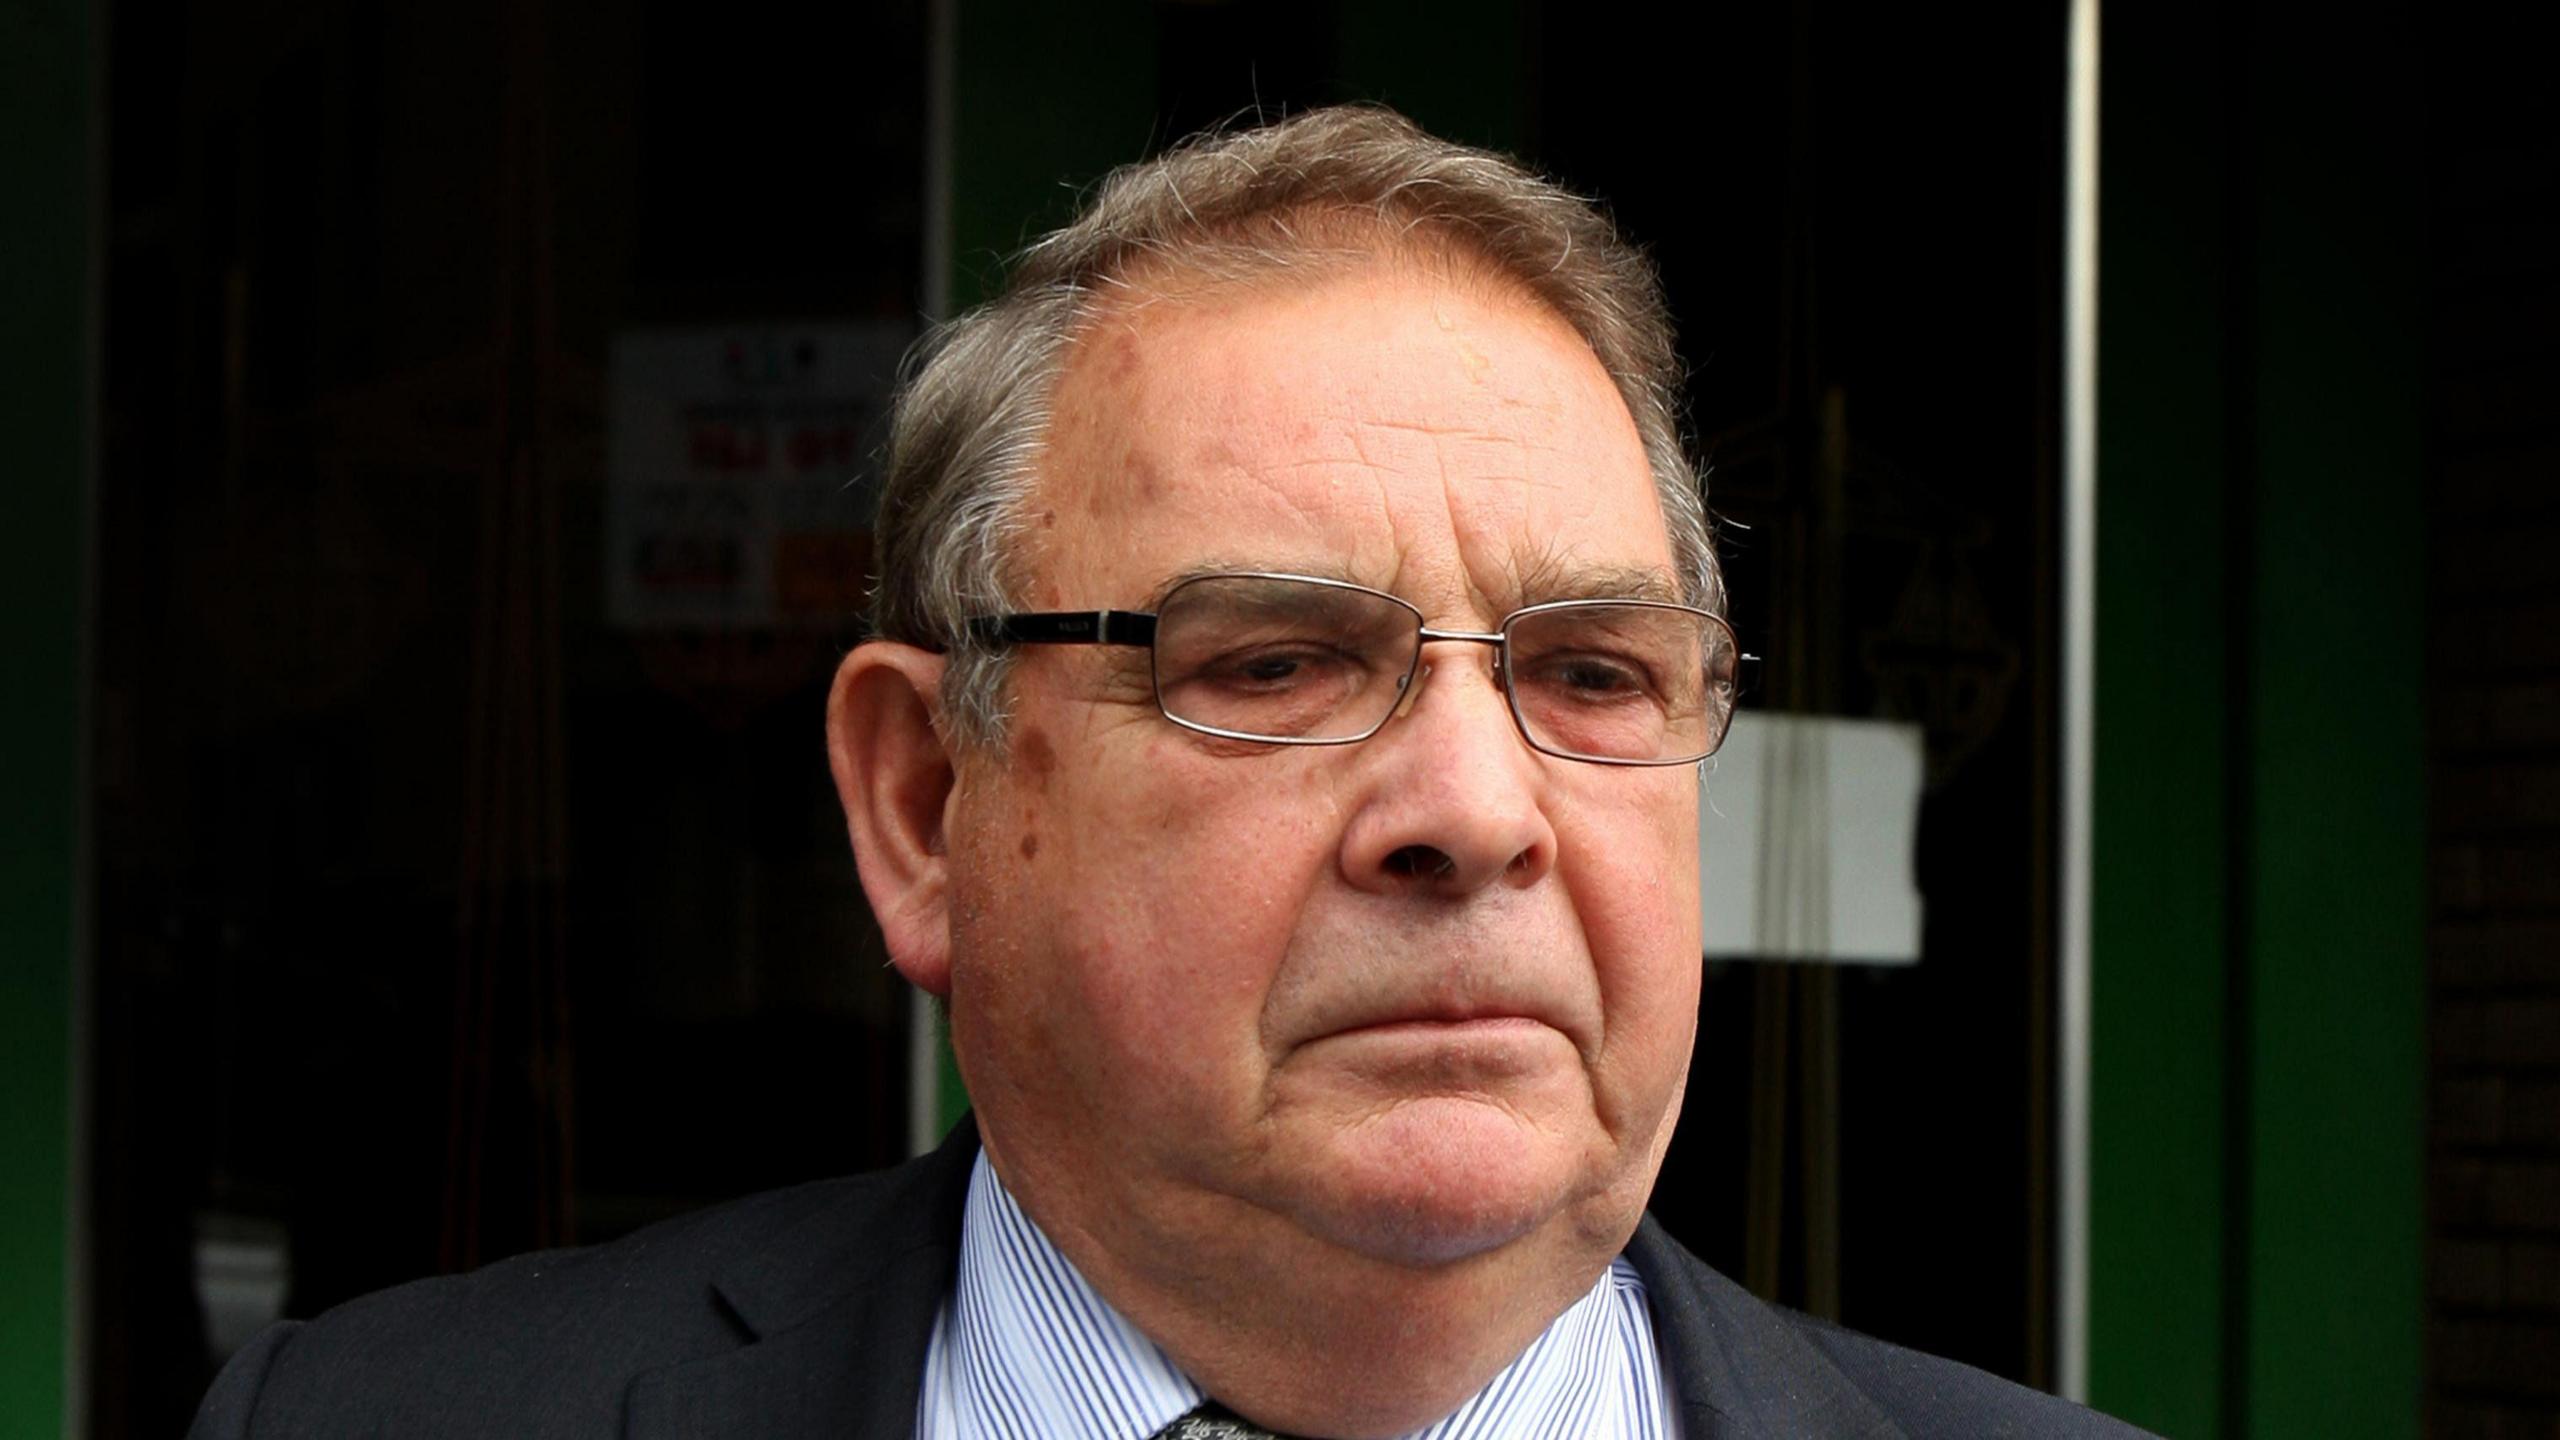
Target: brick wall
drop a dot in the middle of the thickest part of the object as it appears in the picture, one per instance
(2494, 600)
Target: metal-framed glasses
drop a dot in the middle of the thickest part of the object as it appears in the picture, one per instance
(1300, 660)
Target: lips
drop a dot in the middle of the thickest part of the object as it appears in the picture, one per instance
(1497, 1030)
(1446, 1019)
(1473, 970)
(1487, 1019)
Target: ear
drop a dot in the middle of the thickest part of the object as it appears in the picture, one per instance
(894, 777)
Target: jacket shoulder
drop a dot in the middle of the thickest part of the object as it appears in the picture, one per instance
(1768, 1370)
(547, 1343)
(1930, 1397)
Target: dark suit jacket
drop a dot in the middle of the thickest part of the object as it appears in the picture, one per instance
(806, 1312)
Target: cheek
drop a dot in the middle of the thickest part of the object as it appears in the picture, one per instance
(1635, 864)
(1147, 907)
(1636, 890)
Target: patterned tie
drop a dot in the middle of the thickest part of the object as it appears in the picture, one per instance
(1214, 1421)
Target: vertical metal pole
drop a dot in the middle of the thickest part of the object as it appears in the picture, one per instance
(2079, 605)
(924, 1074)
(924, 1044)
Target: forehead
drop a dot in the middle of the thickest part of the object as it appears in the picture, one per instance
(1422, 431)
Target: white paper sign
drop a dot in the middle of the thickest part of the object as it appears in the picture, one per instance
(1805, 839)
(735, 460)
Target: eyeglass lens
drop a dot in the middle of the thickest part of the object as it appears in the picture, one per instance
(1273, 658)
(1281, 659)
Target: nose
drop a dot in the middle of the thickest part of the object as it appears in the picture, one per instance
(1453, 800)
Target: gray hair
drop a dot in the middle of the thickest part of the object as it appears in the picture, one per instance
(969, 426)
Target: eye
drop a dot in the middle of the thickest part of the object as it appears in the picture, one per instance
(1275, 667)
(1595, 676)
(1589, 677)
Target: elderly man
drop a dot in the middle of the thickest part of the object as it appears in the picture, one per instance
(1298, 632)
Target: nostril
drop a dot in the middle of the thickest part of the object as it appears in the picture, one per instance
(1420, 862)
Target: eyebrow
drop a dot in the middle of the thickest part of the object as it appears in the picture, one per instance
(1550, 581)
(1537, 582)
(1233, 565)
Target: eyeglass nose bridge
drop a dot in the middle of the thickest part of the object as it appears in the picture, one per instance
(1481, 637)
(1411, 684)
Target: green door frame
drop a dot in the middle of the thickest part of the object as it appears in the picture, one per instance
(2257, 898)
(48, 144)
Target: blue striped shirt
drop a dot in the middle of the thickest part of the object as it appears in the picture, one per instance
(1024, 1349)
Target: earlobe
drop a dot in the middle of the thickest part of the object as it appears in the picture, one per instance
(895, 779)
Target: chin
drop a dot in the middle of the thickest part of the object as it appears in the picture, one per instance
(1435, 1181)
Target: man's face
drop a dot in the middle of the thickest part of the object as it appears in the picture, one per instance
(1417, 997)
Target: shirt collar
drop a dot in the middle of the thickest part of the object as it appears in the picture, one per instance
(1026, 1347)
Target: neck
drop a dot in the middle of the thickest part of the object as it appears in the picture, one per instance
(1303, 1336)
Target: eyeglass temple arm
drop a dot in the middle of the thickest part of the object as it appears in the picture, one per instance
(1066, 627)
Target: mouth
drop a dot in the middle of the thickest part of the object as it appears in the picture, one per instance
(1487, 1023)
(1419, 1033)
(1439, 993)
(1473, 1052)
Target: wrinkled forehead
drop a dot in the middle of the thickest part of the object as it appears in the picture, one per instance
(1407, 428)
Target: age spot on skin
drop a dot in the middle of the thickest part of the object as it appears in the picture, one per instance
(1038, 756)
(1122, 361)
(1145, 483)
(1030, 845)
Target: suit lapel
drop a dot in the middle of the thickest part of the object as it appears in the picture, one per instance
(1744, 1371)
(837, 1312)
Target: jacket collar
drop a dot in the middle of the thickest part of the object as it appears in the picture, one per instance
(1744, 1369)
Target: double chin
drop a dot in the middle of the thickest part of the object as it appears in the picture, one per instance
(1437, 1178)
